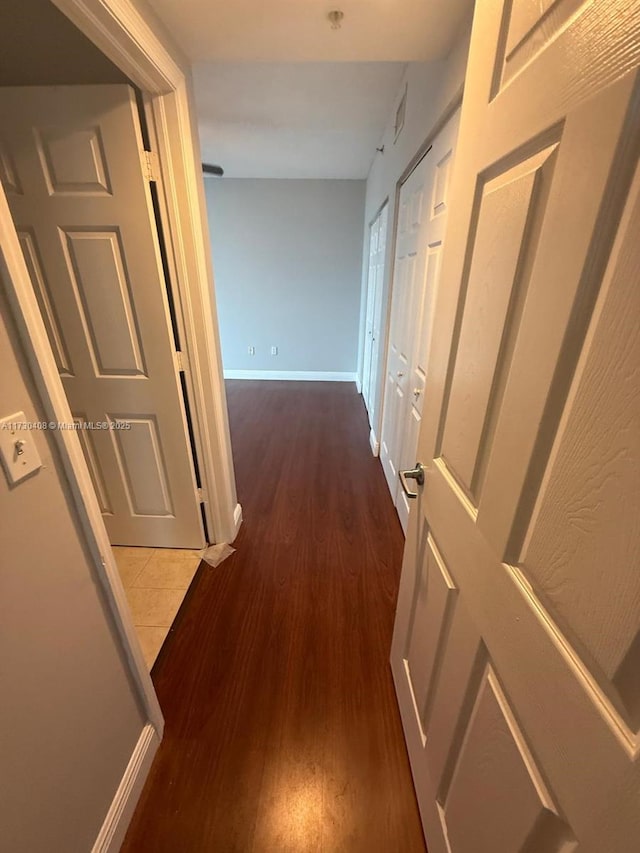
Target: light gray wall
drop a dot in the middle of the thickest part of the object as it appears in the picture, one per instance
(69, 716)
(430, 87)
(287, 257)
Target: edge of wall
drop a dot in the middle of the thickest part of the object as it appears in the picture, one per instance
(299, 375)
(121, 810)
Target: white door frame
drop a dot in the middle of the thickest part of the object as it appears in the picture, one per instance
(374, 368)
(129, 41)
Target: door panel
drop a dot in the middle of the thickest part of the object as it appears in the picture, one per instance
(508, 208)
(45, 300)
(520, 814)
(93, 463)
(598, 612)
(96, 269)
(71, 164)
(419, 377)
(516, 650)
(433, 608)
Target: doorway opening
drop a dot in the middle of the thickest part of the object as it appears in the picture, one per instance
(88, 207)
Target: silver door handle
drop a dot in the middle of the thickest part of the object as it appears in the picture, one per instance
(416, 474)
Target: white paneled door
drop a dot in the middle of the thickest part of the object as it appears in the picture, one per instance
(72, 165)
(516, 650)
(373, 322)
(422, 216)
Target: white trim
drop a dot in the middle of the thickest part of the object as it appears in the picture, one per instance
(302, 375)
(374, 443)
(198, 308)
(121, 810)
(358, 383)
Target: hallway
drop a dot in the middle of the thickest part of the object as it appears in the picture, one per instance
(282, 730)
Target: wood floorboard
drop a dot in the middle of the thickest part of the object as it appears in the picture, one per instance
(282, 729)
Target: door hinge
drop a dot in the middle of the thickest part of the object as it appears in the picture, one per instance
(181, 362)
(150, 165)
(201, 496)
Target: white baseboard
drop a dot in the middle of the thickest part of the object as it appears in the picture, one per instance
(300, 375)
(358, 385)
(120, 812)
(237, 519)
(375, 444)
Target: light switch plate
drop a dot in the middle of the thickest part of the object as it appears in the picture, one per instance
(18, 459)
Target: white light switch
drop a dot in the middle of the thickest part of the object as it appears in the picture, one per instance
(17, 447)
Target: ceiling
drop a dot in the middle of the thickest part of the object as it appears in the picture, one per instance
(298, 30)
(281, 94)
(294, 120)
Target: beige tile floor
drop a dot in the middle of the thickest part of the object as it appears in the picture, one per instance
(156, 581)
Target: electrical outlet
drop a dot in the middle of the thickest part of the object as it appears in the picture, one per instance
(274, 350)
(252, 350)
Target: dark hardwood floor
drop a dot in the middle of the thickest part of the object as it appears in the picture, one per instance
(282, 730)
